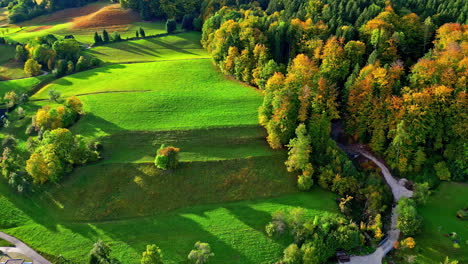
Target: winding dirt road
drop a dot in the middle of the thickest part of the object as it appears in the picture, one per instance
(22, 248)
(398, 191)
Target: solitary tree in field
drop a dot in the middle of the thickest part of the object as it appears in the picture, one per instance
(201, 253)
(171, 25)
(137, 34)
(142, 33)
(152, 255)
(100, 254)
(54, 95)
(167, 157)
(32, 68)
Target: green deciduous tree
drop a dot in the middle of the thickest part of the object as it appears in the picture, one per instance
(201, 253)
(408, 221)
(299, 150)
(152, 255)
(171, 25)
(32, 68)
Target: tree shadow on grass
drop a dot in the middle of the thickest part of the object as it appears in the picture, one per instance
(95, 71)
(168, 46)
(173, 233)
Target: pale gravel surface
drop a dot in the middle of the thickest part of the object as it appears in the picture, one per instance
(398, 192)
(22, 248)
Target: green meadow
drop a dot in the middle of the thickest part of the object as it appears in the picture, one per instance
(235, 231)
(439, 219)
(184, 45)
(20, 85)
(9, 69)
(165, 95)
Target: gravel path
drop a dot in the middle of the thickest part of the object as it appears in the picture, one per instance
(22, 248)
(399, 191)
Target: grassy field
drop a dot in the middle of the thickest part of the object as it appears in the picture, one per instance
(242, 240)
(180, 46)
(439, 219)
(166, 95)
(19, 86)
(9, 69)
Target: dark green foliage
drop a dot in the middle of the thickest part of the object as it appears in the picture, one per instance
(60, 68)
(21, 53)
(198, 24)
(100, 254)
(142, 32)
(97, 38)
(67, 49)
(116, 36)
(105, 36)
(409, 221)
(171, 25)
(21, 10)
(316, 239)
(187, 22)
(167, 157)
(421, 193)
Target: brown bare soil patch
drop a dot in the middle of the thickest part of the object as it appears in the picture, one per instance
(112, 15)
(66, 15)
(39, 28)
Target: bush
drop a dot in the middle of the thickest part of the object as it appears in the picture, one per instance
(442, 171)
(201, 253)
(198, 24)
(167, 157)
(171, 25)
(82, 64)
(152, 255)
(292, 255)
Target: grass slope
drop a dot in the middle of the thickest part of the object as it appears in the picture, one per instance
(166, 95)
(180, 46)
(19, 86)
(9, 69)
(234, 230)
(439, 219)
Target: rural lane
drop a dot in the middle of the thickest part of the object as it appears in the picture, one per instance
(399, 191)
(22, 248)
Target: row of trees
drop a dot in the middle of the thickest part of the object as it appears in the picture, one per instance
(47, 53)
(101, 254)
